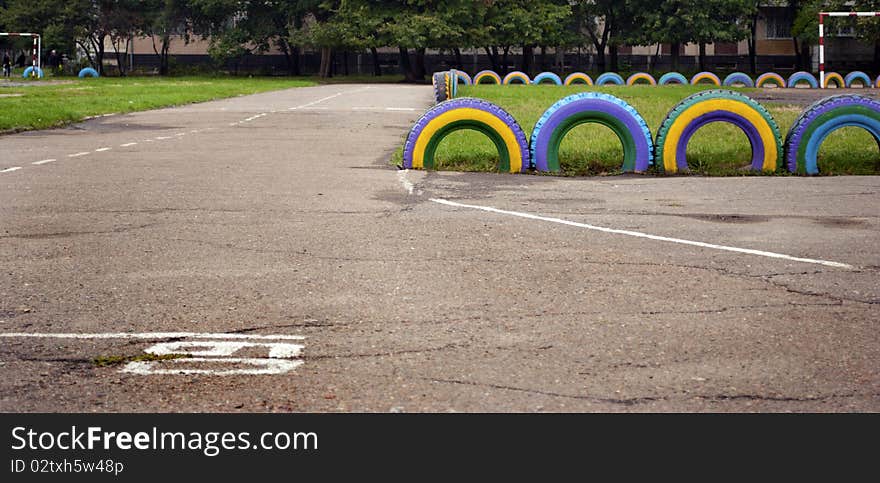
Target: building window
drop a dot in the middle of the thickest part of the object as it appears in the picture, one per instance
(778, 24)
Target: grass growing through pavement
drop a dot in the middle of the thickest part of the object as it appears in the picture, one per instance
(30, 105)
(105, 361)
(718, 149)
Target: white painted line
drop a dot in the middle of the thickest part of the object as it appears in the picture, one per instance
(261, 367)
(180, 134)
(101, 150)
(316, 108)
(407, 184)
(9, 170)
(334, 96)
(162, 138)
(76, 155)
(194, 131)
(45, 161)
(647, 236)
(127, 145)
(224, 348)
(404, 109)
(148, 336)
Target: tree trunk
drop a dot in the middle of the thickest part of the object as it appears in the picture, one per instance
(405, 65)
(492, 53)
(613, 51)
(600, 59)
(675, 55)
(326, 69)
(345, 63)
(543, 58)
(702, 57)
(458, 62)
(504, 56)
(876, 65)
(527, 53)
(753, 46)
(377, 65)
(419, 65)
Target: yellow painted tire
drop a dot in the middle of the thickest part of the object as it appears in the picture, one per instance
(706, 76)
(467, 113)
(487, 75)
(641, 76)
(836, 78)
(578, 78)
(718, 105)
(516, 77)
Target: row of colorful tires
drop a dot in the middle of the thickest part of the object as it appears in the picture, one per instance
(797, 153)
(38, 72)
(611, 78)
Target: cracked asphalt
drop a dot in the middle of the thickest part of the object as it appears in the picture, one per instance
(294, 223)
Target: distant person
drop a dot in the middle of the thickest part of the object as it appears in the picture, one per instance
(20, 60)
(53, 59)
(7, 65)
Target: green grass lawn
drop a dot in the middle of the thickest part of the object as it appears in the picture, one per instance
(718, 149)
(57, 101)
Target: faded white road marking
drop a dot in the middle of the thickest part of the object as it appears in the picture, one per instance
(646, 236)
(45, 161)
(203, 353)
(162, 138)
(277, 350)
(180, 134)
(9, 170)
(405, 109)
(263, 367)
(149, 335)
(127, 145)
(334, 96)
(407, 184)
(77, 155)
(101, 150)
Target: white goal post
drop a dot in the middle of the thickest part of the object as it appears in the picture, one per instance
(38, 45)
(822, 16)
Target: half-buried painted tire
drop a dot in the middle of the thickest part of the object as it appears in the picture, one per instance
(706, 78)
(585, 107)
(738, 78)
(487, 77)
(672, 78)
(467, 113)
(578, 78)
(857, 76)
(32, 72)
(764, 80)
(438, 81)
(822, 118)
(836, 78)
(451, 85)
(88, 72)
(641, 76)
(610, 78)
(799, 77)
(718, 105)
(547, 78)
(516, 77)
(462, 77)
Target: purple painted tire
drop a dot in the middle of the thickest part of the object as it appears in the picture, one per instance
(467, 113)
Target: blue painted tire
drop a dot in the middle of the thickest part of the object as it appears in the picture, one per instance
(854, 76)
(798, 77)
(610, 78)
(822, 118)
(30, 71)
(585, 107)
(544, 77)
(739, 78)
(769, 78)
(672, 78)
(462, 77)
(88, 72)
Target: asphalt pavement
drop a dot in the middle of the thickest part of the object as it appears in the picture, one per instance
(269, 239)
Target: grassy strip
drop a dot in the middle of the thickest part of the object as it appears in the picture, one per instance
(718, 149)
(26, 105)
